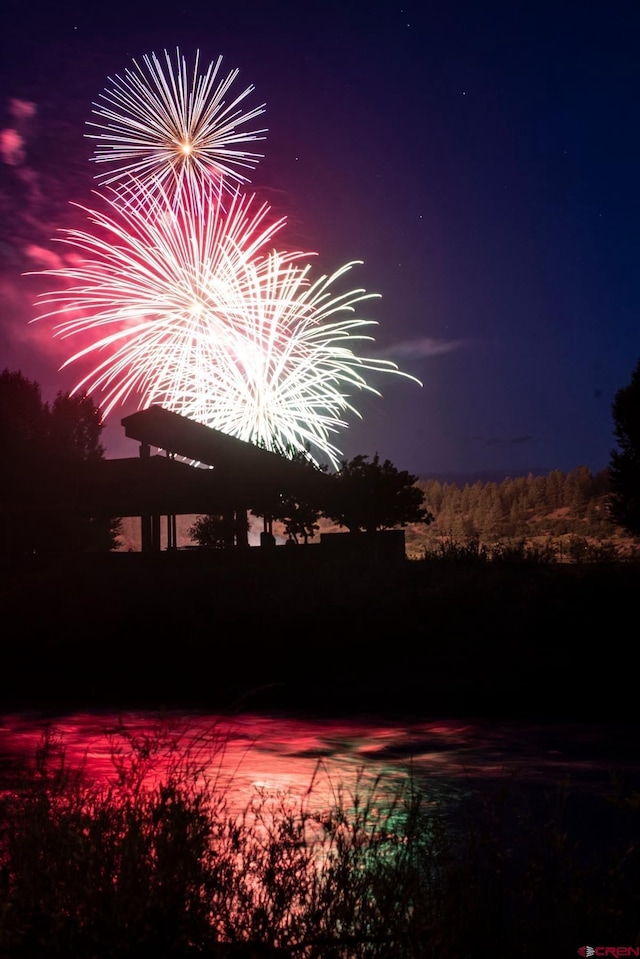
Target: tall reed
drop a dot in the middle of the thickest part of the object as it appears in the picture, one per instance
(155, 862)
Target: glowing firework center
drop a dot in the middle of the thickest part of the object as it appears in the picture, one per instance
(178, 296)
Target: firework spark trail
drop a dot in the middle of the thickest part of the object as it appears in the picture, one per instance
(153, 279)
(188, 307)
(286, 375)
(169, 126)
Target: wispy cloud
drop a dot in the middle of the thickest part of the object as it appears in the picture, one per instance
(13, 139)
(43, 258)
(22, 109)
(423, 347)
(11, 147)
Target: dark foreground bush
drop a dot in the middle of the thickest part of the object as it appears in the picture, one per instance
(154, 863)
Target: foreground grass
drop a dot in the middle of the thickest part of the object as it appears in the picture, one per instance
(154, 863)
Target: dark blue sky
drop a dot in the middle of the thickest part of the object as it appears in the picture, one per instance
(481, 159)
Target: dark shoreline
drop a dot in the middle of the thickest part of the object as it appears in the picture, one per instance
(410, 639)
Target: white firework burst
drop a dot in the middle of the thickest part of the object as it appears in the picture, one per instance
(284, 374)
(168, 124)
(186, 306)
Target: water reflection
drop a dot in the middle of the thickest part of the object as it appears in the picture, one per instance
(283, 872)
(280, 755)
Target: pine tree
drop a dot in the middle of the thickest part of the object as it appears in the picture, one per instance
(624, 502)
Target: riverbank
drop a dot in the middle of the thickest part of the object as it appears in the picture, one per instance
(415, 638)
(154, 855)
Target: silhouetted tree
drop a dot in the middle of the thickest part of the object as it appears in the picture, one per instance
(299, 517)
(23, 426)
(75, 427)
(296, 508)
(624, 468)
(370, 495)
(209, 531)
(43, 448)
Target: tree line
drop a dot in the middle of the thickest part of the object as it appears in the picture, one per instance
(552, 505)
(42, 446)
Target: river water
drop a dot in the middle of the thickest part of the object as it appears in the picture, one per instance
(568, 770)
(279, 755)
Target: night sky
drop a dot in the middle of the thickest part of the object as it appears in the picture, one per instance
(482, 159)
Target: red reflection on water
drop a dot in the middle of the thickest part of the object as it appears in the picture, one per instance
(244, 756)
(281, 755)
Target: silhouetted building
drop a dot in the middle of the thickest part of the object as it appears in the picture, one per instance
(223, 476)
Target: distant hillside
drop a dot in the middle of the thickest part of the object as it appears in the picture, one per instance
(562, 510)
